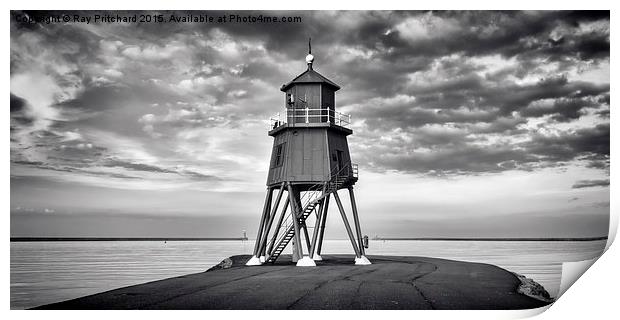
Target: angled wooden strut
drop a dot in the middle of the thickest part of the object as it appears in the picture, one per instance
(356, 221)
(319, 245)
(317, 223)
(261, 225)
(346, 224)
(279, 225)
(263, 242)
(256, 258)
(295, 211)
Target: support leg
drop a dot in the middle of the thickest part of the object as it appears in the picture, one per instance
(278, 225)
(346, 224)
(255, 260)
(317, 225)
(319, 245)
(306, 237)
(260, 253)
(295, 203)
(304, 261)
(362, 259)
(263, 245)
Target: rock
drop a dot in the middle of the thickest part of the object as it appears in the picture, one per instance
(532, 289)
(224, 264)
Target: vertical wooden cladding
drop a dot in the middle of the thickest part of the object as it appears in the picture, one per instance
(328, 97)
(276, 171)
(338, 142)
(304, 155)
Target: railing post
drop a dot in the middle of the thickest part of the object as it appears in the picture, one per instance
(306, 114)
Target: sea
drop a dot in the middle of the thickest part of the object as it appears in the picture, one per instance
(47, 272)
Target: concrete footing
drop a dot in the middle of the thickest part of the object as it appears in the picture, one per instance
(254, 261)
(362, 261)
(306, 262)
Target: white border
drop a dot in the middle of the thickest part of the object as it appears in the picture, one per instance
(593, 296)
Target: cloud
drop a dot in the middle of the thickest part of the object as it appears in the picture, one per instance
(156, 169)
(590, 183)
(154, 52)
(40, 91)
(425, 27)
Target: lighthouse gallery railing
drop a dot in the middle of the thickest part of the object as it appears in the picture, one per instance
(309, 115)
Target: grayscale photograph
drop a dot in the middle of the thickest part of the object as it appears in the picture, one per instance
(295, 160)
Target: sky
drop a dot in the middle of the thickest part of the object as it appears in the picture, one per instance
(466, 124)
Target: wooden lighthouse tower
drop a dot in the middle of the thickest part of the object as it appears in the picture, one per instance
(310, 162)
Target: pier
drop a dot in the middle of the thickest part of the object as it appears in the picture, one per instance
(391, 282)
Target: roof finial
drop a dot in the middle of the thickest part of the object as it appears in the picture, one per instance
(309, 57)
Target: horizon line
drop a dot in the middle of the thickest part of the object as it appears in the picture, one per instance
(43, 239)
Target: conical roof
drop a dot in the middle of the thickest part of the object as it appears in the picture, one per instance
(310, 76)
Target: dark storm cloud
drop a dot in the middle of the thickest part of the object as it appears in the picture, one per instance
(590, 183)
(506, 33)
(18, 112)
(592, 143)
(69, 169)
(472, 91)
(562, 109)
(459, 160)
(470, 100)
(151, 168)
(455, 153)
(137, 166)
(81, 169)
(17, 103)
(199, 176)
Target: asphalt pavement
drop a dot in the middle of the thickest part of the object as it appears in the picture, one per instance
(391, 282)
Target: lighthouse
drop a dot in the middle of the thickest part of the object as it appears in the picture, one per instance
(310, 164)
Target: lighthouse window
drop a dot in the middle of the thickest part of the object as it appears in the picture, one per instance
(278, 155)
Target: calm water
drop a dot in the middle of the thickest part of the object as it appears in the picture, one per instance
(46, 272)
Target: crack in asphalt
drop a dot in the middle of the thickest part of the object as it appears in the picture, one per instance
(318, 286)
(416, 278)
(348, 277)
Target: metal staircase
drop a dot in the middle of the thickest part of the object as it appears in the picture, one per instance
(311, 202)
